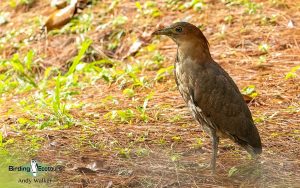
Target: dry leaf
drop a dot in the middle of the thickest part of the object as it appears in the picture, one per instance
(60, 17)
(95, 165)
(247, 98)
(134, 47)
(59, 3)
(6, 131)
(85, 170)
(290, 24)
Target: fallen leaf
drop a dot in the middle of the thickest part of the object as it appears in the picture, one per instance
(59, 4)
(247, 98)
(4, 17)
(60, 17)
(96, 165)
(232, 171)
(134, 47)
(6, 131)
(85, 170)
(290, 24)
(110, 183)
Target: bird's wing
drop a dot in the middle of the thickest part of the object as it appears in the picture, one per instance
(218, 97)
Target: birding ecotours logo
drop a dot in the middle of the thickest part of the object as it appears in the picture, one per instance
(34, 168)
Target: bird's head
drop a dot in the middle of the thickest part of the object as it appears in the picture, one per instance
(182, 33)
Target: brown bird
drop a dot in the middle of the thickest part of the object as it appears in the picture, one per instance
(212, 96)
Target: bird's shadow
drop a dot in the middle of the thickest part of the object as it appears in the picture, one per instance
(250, 171)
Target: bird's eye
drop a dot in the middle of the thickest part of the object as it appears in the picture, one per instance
(178, 29)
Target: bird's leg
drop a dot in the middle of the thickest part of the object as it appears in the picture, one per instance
(215, 143)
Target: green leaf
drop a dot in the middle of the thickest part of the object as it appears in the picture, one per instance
(138, 6)
(84, 46)
(163, 72)
(23, 121)
(250, 91)
(128, 92)
(264, 47)
(119, 20)
(56, 101)
(232, 171)
(28, 59)
(292, 73)
(1, 139)
(176, 138)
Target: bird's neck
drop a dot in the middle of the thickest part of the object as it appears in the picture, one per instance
(196, 51)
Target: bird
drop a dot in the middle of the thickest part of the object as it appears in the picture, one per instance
(209, 92)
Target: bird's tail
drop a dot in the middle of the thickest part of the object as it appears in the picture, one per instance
(252, 141)
(252, 146)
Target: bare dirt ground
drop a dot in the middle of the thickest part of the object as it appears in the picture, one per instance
(170, 149)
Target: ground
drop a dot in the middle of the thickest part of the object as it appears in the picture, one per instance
(98, 98)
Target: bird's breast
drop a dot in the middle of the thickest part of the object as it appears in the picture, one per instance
(182, 80)
(186, 86)
(185, 79)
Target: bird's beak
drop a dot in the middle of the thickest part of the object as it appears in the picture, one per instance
(165, 31)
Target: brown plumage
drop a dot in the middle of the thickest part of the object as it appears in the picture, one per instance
(210, 93)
